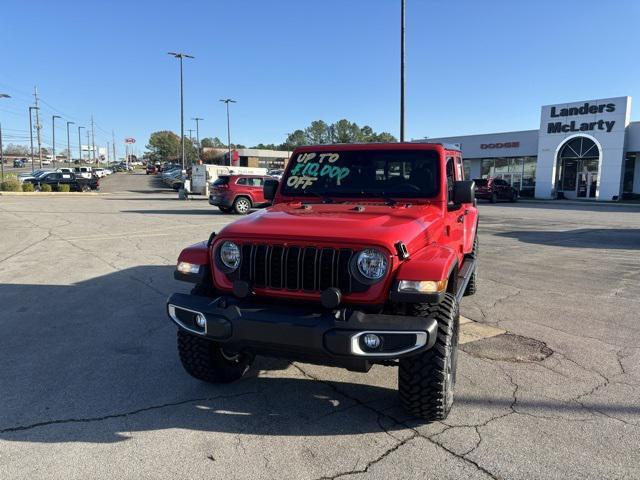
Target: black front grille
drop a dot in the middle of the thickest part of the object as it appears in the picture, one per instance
(308, 269)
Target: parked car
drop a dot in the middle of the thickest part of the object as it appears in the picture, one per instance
(100, 172)
(19, 163)
(494, 189)
(46, 161)
(277, 173)
(238, 193)
(152, 169)
(26, 175)
(55, 179)
(361, 260)
(84, 172)
(65, 170)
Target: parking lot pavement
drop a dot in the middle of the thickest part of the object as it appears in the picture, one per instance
(91, 386)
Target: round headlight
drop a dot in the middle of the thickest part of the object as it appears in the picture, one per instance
(230, 255)
(371, 264)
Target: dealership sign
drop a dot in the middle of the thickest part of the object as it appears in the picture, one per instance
(129, 140)
(567, 125)
(491, 146)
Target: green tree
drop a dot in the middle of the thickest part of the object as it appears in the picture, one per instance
(345, 131)
(212, 142)
(296, 139)
(317, 132)
(384, 137)
(164, 146)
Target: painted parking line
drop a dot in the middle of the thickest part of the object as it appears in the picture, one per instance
(471, 331)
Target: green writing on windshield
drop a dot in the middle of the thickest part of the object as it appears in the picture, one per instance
(311, 166)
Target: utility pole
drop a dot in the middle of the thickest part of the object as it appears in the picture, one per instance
(33, 166)
(88, 145)
(69, 144)
(93, 141)
(113, 142)
(38, 126)
(402, 70)
(198, 119)
(2, 95)
(181, 56)
(190, 130)
(53, 130)
(228, 101)
(108, 159)
(79, 146)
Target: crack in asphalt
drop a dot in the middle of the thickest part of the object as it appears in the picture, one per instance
(21, 428)
(396, 446)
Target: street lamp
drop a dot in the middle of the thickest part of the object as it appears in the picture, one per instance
(2, 95)
(402, 70)
(198, 120)
(69, 144)
(53, 154)
(33, 166)
(228, 101)
(181, 56)
(80, 145)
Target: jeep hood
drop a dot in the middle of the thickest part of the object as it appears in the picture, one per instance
(344, 223)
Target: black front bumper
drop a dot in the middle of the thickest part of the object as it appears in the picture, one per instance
(331, 337)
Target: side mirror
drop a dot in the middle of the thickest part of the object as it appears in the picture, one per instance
(464, 192)
(270, 188)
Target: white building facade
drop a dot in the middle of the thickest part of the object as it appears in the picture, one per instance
(587, 150)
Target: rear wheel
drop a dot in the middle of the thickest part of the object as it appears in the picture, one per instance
(242, 205)
(426, 381)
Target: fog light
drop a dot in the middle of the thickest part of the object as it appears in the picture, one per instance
(371, 341)
(201, 321)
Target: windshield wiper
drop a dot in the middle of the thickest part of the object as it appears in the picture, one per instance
(387, 199)
(323, 197)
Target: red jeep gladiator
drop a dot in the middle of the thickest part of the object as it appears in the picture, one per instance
(362, 259)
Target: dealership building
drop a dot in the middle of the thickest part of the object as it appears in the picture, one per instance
(583, 150)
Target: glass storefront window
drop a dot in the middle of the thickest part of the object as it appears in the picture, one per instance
(486, 167)
(466, 164)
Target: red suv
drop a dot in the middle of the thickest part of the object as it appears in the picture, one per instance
(238, 193)
(494, 189)
(363, 259)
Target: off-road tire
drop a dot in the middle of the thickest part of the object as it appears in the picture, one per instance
(426, 380)
(205, 360)
(473, 281)
(242, 205)
(225, 209)
(494, 198)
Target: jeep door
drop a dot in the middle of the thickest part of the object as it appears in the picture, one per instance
(455, 216)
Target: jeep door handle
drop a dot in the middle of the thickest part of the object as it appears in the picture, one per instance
(461, 219)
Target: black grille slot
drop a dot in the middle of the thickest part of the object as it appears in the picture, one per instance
(296, 268)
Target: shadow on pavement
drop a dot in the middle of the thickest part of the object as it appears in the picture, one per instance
(608, 238)
(92, 361)
(179, 211)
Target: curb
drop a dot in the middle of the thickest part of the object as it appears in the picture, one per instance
(52, 194)
(600, 203)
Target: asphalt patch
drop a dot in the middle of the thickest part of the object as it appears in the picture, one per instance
(508, 348)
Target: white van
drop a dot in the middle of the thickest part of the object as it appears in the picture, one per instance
(202, 176)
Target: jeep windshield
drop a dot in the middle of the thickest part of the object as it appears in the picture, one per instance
(363, 174)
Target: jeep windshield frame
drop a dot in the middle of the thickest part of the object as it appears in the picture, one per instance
(363, 174)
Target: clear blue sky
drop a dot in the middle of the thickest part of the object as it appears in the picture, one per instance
(472, 66)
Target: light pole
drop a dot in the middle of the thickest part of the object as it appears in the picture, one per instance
(33, 165)
(180, 56)
(402, 70)
(69, 144)
(53, 154)
(198, 120)
(79, 146)
(228, 101)
(2, 95)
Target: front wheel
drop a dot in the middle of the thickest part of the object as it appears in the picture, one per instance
(242, 205)
(426, 381)
(207, 361)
